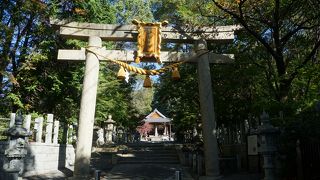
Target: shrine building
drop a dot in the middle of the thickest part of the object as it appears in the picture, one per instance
(161, 127)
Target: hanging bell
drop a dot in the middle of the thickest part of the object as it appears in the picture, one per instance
(137, 60)
(121, 73)
(147, 82)
(175, 74)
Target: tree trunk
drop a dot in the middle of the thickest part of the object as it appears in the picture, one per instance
(284, 89)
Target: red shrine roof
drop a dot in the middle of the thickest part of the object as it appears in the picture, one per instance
(156, 116)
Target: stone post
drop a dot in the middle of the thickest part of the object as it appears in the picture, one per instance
(27, 122)
(207, 114)
(55, 131)
(299, 161)
(64, 138)
(12, 119)
(87, 111)
(199, 164)
(69, 134)
(48, 139)
(38, 125)
(194, 162)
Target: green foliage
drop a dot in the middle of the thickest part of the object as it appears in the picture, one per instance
(133, 9)
(113, 97)
(141, 100)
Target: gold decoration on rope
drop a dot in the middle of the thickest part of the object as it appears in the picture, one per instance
(175, 74)
(121, 73)
(147, 83)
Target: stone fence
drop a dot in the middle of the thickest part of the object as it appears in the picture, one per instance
(44, 154)
(192, 156)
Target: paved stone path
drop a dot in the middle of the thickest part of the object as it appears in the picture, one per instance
(143, 172)
(146, 172)
(128, 172)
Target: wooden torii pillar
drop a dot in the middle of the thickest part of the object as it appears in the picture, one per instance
(95, 33)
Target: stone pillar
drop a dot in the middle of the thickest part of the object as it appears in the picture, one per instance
(170, 132)
(12, 119)
(207, 114)
(38, 126)
(27, 122)
(55, 131)
(49, 126)
(156, 131)
(165, 130)
(87, 111)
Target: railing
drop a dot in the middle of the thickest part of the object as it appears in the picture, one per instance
(310, 160)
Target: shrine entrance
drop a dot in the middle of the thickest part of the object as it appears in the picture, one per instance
(96, 33)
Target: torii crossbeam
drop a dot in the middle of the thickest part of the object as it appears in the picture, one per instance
(95, 33)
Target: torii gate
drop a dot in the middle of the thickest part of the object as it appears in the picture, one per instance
(95, 33)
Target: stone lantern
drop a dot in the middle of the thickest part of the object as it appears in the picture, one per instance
(120, 134)
(268, 137)
(16, 150)
(110, 130)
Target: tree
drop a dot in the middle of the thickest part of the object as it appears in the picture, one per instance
(22, 29)
(142, 99)
(289, 32)
(134, 9)
(145, 129)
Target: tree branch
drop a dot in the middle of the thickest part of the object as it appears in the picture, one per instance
(300, 26)
(246, 26)
(306, 60)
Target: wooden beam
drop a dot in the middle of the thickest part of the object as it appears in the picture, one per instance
(111, 32)
(128, 56)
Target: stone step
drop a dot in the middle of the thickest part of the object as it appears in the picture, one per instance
(151, 147)
(150, 152)
(151, 144)
(147, 155)
(148, 162)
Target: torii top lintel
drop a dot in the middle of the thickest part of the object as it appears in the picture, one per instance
(113, 32)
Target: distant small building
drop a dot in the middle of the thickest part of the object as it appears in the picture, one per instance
(158, 127)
